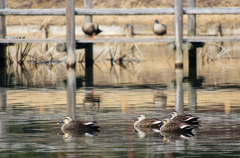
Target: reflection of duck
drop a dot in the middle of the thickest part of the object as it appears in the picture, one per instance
(168, 136)
(70, 124)
(142, 121)
(175, 126)
(69, 135)
(159, 29)
(141, 132)
(192, 120)
(91, 29)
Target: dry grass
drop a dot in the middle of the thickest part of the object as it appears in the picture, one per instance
(118, 20)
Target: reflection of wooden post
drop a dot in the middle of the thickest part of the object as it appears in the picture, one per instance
(179, 91)
(192, 99)
(178, 7)
(2, 35)
(3, 99)
(71, 93)
(89, 75)
(70, 34)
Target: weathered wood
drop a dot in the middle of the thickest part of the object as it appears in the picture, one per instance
(89, 47)
(87, 6)
(191, 19)
(127, 40)
(123, 11)
(70, 33)
(178, 27)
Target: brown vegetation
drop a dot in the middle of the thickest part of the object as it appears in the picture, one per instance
(118, 20)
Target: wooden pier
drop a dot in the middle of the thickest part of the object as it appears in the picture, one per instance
(128, 40)
(88, 12)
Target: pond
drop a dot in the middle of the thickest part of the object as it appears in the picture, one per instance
(35, 98)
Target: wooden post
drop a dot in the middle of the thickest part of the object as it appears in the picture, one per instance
(178, 8)
(70, 34)
(88, 5)
(89, 47)
(179, 91)
(2, 35)
(191, 19)
(192, 53)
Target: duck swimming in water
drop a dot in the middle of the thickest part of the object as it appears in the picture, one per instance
(70, 124)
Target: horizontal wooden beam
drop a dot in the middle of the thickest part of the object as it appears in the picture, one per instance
(122, 11)
(126, 40)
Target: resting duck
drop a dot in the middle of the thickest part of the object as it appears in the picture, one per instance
(192, 120)
(159, 29)
(174, 126)
(91, 29)
(70, 124)
(141, 121)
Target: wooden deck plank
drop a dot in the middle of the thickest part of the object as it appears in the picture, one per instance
(127, 40)
(121, 11)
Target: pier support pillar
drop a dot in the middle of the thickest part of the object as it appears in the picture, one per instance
(70, 34)
(178, 7)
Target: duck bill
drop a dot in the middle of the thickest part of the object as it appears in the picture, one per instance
(135, 119)
(60, 122)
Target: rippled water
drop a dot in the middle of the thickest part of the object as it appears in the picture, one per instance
(31, 107)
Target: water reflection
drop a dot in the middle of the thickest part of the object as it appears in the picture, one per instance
(29, 113)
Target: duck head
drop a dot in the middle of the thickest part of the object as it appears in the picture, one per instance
(166, 120)
(156, 22)
(66, 120)
(139, 118)
(174, 114)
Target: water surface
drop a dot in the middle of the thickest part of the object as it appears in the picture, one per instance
(35, 99)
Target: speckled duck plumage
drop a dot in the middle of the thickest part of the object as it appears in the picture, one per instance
(192, 120)
(70, 124)
(175, 126)
(141, 121)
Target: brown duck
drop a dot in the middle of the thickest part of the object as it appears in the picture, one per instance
(192, 120)
(70, 124)
(91, 29)
(141, 121)
(174, 126)
(159, 29)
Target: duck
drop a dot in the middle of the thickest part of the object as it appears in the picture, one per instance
(91, 29)
(192, 120)
(141, 121)
(70, 124)
(174, 126)
(159, 29)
